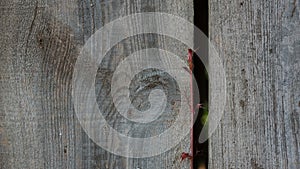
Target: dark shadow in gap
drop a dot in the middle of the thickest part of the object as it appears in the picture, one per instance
(200, 21)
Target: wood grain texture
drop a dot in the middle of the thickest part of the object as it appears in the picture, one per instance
(260, 46)
(40, 41)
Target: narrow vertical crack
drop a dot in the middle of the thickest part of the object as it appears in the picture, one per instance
(31, 26)
(294, 8)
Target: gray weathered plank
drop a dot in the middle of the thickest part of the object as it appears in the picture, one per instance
(260, 41)
(40, 41)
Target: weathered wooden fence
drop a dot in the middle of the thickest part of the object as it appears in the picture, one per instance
(40, 41)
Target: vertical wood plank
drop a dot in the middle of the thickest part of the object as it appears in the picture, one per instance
(260, 46)
(40, 42)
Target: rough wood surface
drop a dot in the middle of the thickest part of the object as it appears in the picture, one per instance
(40, 41)
(260, 41)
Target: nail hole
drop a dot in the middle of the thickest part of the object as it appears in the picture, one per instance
(65, 149)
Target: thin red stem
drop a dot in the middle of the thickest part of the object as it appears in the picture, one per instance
(192, 112)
